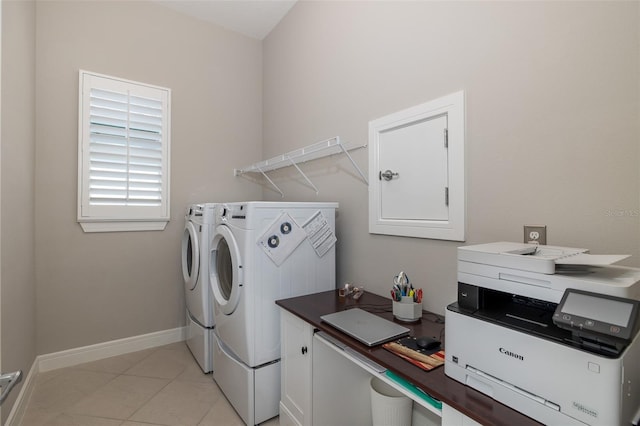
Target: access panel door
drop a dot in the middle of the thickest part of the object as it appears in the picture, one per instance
(416, 156)
(416, 171)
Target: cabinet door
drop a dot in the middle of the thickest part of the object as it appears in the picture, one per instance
(341, 391)
(296, 367)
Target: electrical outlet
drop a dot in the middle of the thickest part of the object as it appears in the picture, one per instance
(535, 234)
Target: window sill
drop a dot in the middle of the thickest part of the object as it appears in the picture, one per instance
(123, 226)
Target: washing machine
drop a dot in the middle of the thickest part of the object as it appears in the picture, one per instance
(199, 225)
(262, 252)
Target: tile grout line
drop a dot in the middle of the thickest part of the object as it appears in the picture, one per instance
(130, 418)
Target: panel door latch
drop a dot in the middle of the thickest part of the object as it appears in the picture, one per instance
(386, 175)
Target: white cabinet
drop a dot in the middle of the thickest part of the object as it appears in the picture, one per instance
(295, 393)
(326, 384)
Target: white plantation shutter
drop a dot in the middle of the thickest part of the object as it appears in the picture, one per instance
(124, 154)
(125, 149)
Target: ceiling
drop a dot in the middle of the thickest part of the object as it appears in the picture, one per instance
(254, 18)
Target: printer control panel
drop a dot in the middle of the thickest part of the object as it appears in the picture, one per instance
(604, 316)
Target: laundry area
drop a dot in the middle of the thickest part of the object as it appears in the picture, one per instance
(344, 212)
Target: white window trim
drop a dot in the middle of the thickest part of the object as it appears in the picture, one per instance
(120, 218)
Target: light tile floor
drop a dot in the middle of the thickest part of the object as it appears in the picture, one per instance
(162, 386)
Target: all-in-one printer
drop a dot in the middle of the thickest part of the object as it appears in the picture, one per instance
(555, 341)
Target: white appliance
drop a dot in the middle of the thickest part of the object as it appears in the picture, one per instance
(514, 336)
(262, 252)
(199, 225)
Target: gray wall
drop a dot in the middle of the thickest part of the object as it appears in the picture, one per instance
(99, 287)
(18, 289)
(552, 120)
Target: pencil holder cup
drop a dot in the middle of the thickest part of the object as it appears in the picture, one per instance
(407, 310)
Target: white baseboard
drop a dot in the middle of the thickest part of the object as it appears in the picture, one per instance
(84, 354)
(103, 350)
(20, 406)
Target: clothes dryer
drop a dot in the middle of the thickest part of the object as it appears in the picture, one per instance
(262, 252)
(199, 225)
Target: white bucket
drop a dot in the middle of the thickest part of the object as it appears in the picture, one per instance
(388, 406)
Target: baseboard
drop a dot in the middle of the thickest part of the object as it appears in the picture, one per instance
(103, 350)
(84, 354)
(20, 405)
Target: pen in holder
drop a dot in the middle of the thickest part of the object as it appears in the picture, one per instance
(406, 309)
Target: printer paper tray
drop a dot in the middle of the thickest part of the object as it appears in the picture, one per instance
(508, 386)
(527, 403)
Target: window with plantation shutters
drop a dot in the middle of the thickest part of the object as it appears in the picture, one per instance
(123, 155)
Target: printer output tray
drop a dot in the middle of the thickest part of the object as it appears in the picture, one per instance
(534, 317)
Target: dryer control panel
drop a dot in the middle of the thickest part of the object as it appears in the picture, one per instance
(231, 211)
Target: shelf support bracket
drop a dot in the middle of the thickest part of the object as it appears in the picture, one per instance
(293, 163)
(344, 150)
(271, 182)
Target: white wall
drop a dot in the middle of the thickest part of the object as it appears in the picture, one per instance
(100, 287)
(552, 109)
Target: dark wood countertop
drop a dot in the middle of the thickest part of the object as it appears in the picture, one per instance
(466, 400)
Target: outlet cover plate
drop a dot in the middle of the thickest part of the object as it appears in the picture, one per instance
(535, 234)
